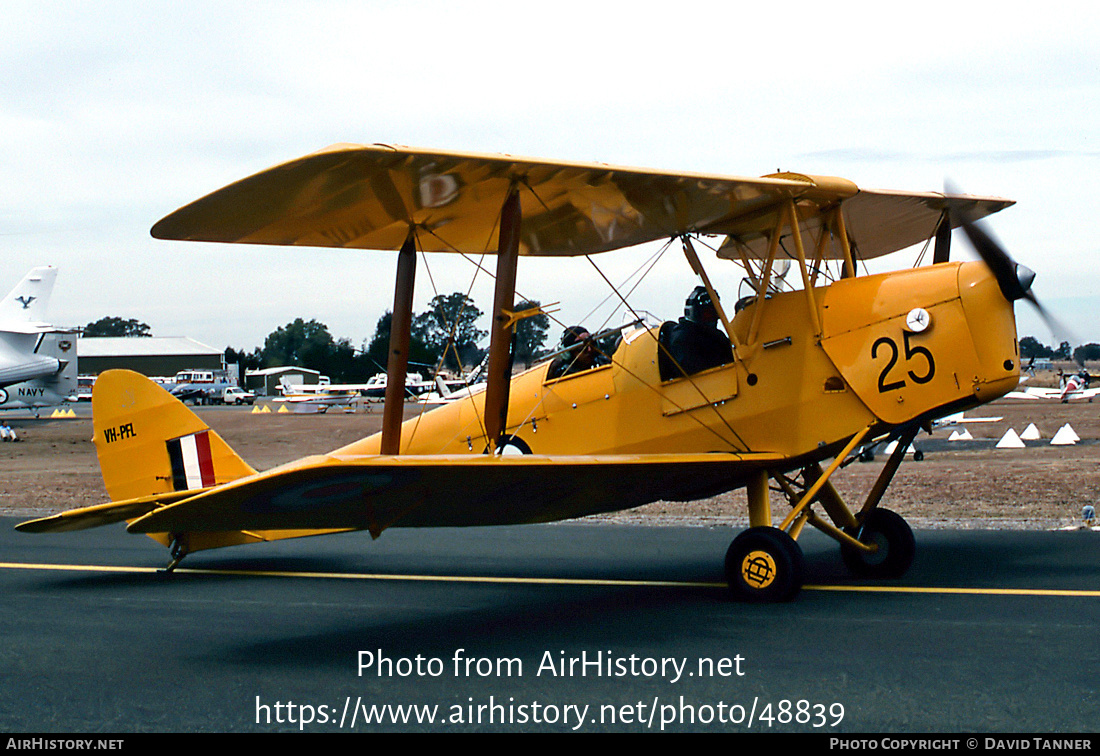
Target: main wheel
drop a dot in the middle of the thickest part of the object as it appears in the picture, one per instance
(764, 564)
(896, 546)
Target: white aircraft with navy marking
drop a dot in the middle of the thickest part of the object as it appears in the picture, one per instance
(37, 360)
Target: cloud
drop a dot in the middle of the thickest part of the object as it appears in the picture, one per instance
(116, 114)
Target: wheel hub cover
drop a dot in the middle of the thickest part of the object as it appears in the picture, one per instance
(758, 569)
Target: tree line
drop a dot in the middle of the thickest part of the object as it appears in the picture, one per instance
(1030, 348)
(446, 334)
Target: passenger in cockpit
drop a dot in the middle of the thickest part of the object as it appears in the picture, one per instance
(695, 342)
(582, 356)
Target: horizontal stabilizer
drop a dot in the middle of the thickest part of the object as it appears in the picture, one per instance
(375, 493)
(100, 514)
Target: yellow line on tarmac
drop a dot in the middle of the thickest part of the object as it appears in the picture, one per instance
(73, 567)
(540, 581)
(456, 578)
(964, 591)
(363, 576)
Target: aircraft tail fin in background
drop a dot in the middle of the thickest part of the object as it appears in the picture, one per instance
(27, 302)
(149, 443)
(61, 347)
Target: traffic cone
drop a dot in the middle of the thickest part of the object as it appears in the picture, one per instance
(1031, 433)
(1010, 441)
(1064, 437)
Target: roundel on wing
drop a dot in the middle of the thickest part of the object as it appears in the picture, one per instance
(514, 445)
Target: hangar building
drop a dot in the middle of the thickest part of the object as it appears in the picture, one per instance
(150, 356)
(266, 382)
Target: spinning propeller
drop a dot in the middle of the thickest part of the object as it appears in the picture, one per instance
(1013, 278)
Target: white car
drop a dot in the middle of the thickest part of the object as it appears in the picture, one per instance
(236, 395)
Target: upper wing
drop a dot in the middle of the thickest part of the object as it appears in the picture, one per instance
(368, 196)
(878, 221)
(375, 493)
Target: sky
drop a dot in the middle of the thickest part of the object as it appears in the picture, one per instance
(112, 115)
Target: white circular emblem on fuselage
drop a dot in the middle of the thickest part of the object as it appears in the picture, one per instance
(918, 320)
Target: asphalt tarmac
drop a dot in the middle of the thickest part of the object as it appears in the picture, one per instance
(588, 627)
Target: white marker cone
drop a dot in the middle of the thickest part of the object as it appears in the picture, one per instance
(1010, 441)
(1064, 437)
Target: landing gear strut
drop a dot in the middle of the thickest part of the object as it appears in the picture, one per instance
(765, 563)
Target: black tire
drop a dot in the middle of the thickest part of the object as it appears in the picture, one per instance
(765, 565)
(896, 546)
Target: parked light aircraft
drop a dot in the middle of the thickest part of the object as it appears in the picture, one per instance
(37, 361)
(812, 373)
(322, 396)
(415, 385)
(319, 397)
(960, 418)
(444, 394)
(1074, 387)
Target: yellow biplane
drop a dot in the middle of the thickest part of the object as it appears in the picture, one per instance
(807, 375)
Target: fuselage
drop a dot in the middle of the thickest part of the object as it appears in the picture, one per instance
(789, 391)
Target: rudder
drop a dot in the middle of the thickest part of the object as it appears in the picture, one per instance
(148, 442)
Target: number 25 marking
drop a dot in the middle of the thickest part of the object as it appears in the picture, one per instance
(910, 352)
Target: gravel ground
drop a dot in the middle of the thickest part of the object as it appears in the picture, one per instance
(967, 484)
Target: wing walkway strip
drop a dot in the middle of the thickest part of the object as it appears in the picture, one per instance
(542, 581)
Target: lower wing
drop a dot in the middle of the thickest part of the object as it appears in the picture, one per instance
(375, 493)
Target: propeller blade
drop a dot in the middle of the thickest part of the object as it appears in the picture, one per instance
(1058, 329)
(1002, 265)
(1014, 279)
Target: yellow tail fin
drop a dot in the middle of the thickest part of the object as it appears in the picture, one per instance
(149, 443)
